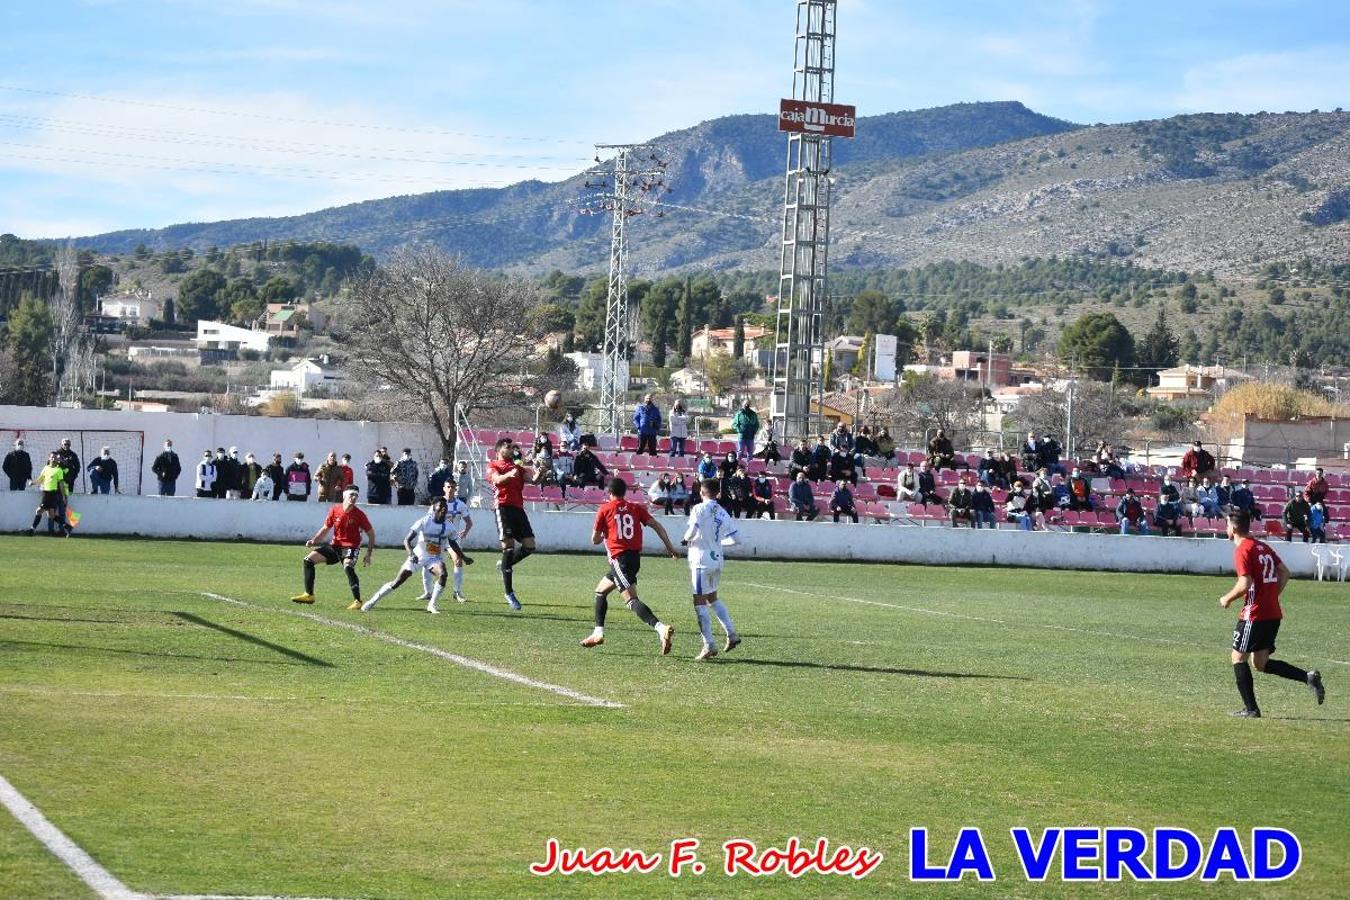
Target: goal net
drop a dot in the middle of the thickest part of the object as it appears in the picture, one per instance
(126, 447)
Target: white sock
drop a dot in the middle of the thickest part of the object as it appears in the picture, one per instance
(436, 589)
(459, 579)
(724, 616)
(705, 624)
(598, 631)
(426, 581)
(384, 591)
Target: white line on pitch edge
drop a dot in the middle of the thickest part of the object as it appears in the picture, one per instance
(99, 879)
(992, 621)
(466, 662)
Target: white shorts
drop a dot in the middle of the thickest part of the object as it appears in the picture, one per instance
(423, 562)
(704, 581)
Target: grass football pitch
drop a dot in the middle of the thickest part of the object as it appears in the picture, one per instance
(194, 746)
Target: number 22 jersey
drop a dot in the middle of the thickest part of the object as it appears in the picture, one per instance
(1261, 565)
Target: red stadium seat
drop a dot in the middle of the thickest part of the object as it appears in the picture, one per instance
(1274, 529)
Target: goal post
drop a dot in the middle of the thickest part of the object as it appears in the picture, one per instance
(125, 446)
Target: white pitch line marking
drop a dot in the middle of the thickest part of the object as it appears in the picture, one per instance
(99, 879)
(466, 662)
(992, 621)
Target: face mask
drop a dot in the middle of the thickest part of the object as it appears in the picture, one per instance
(168, 446)
(106, 455)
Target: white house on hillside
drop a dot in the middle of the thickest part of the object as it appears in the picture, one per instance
(590, 371)
(304, 376)
(219, 337)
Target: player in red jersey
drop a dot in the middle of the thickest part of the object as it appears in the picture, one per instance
(508, 478)
(619, 524)
(347, 522)
(1261, 576)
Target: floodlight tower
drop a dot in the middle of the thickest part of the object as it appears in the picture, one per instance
(626, 187)
(811, 119)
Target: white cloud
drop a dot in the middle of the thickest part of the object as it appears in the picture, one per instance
(1274, 82)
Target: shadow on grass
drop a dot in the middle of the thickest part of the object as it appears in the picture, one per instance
(256, 641)
(1303, 719)
(848, 667)
(64, 619)
(5, 642)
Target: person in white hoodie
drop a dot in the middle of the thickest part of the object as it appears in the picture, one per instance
(679, 428)
(206, 475)
(710, 529)
(262, 488)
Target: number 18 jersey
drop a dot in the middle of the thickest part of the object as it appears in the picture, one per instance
(1261, 565)
(621, 524)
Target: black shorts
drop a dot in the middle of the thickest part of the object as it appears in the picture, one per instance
(1249, 637)
(51, 500)
(332, 555)
(513, 524)
(623, 569)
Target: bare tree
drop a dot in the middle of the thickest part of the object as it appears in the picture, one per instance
(70, 346)
(427, 335)
(924, 403)
(1100, 413)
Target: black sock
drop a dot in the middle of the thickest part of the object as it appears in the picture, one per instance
(1285, 670)
(309, 576)
(520, 553)
(1242, 672)
(37, 519)
(641, 610)
(601, 608)
(506, 568)
(353, 581)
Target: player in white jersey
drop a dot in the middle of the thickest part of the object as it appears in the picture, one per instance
(425, 542)
(710, 529)
(461, 523)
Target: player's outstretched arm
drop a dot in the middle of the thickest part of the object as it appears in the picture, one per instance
(370, 545)
(1239, 590)
(318, 537)
(665, 539)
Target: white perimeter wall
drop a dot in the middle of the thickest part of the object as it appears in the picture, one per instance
(293, 522)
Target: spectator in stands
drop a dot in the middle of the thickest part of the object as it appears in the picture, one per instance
(206, 476)
(18, 467)
(1318, 518)
(842, 441)
(761, 496)
(103, 473)
(465, 482)
(679, 429)
(707, 467)
(736, 493)
(407, 476)
(1242, 499)
(1009, 465)
(990, 471)
(1208, 494)
(1108, 463)
(1032, 451)
(167, 468)
(941, 453)
(802, 500)
(1167, 517)
(541, 456)
(1295, 517)
(569, 436)
(438, 477)
(249, 474)
(885, 446)
(587, 469)
(681, 495)
(1080, 491)
(1050, 454)
(348, 475)
(1042, 493)
(841, 502)
(1317, 486)
(264, 487)
(746, 425)
(235, 490)
(1059, 489)
(928, 492)
(69, 461)
(224, 473)
(1197, 462)
(277, 473)
(820, 459)
(1130, 513)
(961, 504)
(1020, 507)
(769, 452)
(864, 443)
(662, 493)
(329, 478)
(1223, 493)
(907, 485)
(378, 476)
(982, 504)
(728, 467)
(841, 466)
(647, 421)
(299, 481)
(800, 461)
(1190, 500)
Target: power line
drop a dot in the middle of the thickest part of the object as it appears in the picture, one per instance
(293, 119)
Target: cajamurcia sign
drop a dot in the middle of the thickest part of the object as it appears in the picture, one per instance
(833, 119)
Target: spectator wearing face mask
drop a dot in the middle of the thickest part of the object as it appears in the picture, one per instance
(235, 489)
(329, 478)
(276, 473)
(569, 435)
(679, 428)
(841, 502)
(206, 476)
(802, 499)
(223, 474)
(299, 481)
(348, 476)
(464, 481)
(982, 505)
(167, 468)
(103, 473)
(378, 475)
(406, 475)
(18, 467)
(761, 496)
(263, 488)
(249, 474)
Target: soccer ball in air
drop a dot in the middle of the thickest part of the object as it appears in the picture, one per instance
(553, 399)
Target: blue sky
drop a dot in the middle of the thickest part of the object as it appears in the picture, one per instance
(143, 113)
